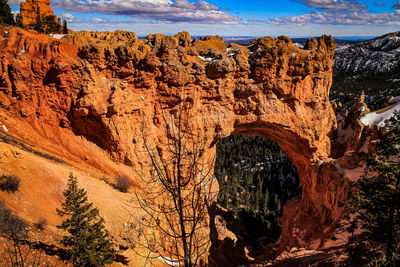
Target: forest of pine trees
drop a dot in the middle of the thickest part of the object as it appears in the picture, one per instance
(256, 178)
(6, 16)
(376, 204)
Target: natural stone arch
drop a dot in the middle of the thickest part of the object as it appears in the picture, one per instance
(106, 83)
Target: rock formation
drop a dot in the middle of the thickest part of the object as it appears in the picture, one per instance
(29, 10)
(103, 86)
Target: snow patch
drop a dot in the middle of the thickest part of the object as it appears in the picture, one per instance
(299, 45)
(230, 52)
(208, 59)
(170, 261)
(22, 51)
(4, 128)
(394, 100)
(57, 36)
(374, 118)
(395, 38)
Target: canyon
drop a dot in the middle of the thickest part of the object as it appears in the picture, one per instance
(87, 99)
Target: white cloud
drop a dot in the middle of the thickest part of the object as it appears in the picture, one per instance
(162, 10)
(14, 2)
(103, 20)
(333, 4)
(68, 17)
(339, 12)
(362, 17)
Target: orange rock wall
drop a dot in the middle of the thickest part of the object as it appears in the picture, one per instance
(102, 86)
(29, 8)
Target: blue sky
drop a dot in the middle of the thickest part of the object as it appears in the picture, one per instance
(232, 17)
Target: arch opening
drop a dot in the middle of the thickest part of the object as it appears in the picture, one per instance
(256, 178)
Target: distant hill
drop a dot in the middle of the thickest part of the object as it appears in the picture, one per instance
(379, 55)
(372, 66)
(339, 40)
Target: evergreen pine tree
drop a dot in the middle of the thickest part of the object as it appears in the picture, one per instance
(378, 204)
(65, 27)
(38, 26)
(6, 16)
(51, 25)
(87, 243)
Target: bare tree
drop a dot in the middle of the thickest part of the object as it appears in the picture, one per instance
(174, 200)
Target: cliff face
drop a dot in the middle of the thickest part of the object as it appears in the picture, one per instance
(29, 10)
(103, 86)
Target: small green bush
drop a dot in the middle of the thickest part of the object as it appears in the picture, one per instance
(9, 183)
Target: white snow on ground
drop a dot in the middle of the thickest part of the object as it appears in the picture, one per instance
(170, 261)
(208, 59)
(394, 100)
(22, 51)
(340, 47)
(299, 45)
(57, 36)
(230, 52)
(353, 175)
(373, 118)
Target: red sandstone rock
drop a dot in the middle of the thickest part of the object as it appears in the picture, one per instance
(29, 10)
(103, 85)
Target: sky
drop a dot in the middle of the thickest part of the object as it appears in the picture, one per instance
(294, 18)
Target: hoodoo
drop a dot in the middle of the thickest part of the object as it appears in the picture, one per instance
(29, 10)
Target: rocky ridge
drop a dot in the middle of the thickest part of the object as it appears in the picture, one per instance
(103, 86)
(378, 55)
(371, 66)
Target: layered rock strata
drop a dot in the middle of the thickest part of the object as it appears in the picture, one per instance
(103, 86)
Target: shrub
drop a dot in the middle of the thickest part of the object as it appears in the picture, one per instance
(122, 183)
(10, 224)
(41, 224)
(9, 183)
(105, 179)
